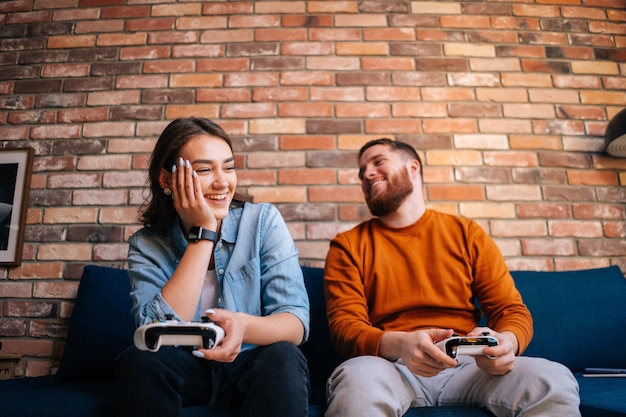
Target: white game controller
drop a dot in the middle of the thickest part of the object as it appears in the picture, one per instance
(467, 345)
(202, 335)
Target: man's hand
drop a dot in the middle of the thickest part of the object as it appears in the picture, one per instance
(417, 350)
(503, 355)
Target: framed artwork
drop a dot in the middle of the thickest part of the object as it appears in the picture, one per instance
(16, 166)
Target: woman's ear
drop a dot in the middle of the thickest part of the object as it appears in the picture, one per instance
(165, 179)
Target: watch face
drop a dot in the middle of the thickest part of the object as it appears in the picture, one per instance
(194, 234)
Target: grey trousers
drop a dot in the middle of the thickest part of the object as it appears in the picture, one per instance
(369, 386)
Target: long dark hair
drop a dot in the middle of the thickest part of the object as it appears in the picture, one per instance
(158, 209)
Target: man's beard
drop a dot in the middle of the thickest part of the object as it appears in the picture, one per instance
(399, 186)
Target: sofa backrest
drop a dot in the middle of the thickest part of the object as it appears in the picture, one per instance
(101, 325)
(579, 320)
(579, 316)
(319, 350)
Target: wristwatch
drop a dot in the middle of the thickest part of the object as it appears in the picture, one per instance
(197, 233)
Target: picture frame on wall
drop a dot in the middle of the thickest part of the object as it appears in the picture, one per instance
(16, 167)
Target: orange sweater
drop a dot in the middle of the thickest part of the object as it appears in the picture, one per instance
(422, 276)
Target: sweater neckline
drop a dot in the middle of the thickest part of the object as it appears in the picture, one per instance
(406, 230)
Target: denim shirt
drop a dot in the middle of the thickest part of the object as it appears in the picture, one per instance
(257, 270)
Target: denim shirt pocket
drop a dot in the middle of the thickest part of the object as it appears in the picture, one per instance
(242, 288)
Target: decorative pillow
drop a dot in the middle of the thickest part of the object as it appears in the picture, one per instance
(101, 325)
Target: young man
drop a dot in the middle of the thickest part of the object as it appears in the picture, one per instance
(406, 279)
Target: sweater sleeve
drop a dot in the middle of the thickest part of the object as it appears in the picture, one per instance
(346, 305)
(495, 289)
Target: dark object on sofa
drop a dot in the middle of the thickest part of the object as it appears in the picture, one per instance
(580, 318)
(615, 135)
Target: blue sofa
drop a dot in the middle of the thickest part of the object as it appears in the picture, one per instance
(580, 321)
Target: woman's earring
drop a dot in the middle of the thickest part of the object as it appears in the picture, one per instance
(167, 191)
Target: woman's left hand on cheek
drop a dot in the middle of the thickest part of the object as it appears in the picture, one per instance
(188, 197)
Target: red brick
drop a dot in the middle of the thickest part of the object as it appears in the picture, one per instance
(144, 52)
(307, 142)
(306, 176)
(117, 39)
(109, 25)
(455, 192)
(335, 194)
(64, 42)
(544, 210)
(149, 24)
(305, 110)
(125, 12)
(28, 17)
(48, 270)
(176, 66)
(82, 115)
(576, 229)
(335, 34)
(549, 247)
(278, 194)
(35, 116)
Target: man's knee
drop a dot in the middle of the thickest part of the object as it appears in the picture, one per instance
(367, 385)
(364, 374)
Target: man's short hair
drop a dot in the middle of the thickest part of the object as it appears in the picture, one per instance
(397, 145)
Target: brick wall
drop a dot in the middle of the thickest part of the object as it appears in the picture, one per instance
(506, 101)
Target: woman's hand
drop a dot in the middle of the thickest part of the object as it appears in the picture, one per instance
(189, 201)
(230, 346)
(240, 328)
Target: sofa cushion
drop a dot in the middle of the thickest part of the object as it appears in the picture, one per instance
(602, 397)
(49, 396)
(321, 355)
(571, 311)
(101, 325)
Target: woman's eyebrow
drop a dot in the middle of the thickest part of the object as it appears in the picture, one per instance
(210, 161)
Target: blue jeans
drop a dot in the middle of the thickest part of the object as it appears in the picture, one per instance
(267, 381)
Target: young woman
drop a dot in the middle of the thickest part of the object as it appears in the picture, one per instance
(207, 250)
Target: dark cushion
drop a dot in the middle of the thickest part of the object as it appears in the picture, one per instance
(101, 325)
(321, 355)
(574, 314)
(49, 396)
(602, 397)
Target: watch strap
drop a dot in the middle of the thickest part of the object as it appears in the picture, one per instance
(197, 233)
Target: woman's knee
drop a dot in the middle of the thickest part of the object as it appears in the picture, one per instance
(281, 364)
